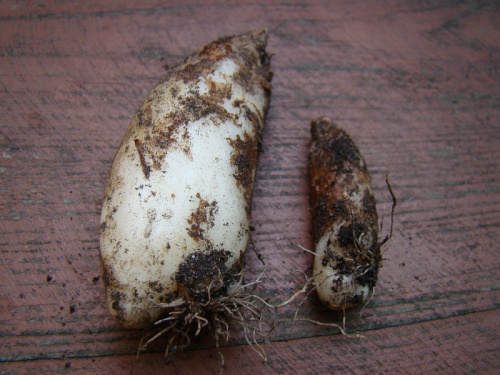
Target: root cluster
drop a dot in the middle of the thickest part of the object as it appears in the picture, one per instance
(185, 319)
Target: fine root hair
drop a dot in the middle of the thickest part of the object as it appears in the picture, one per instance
(309, 287)
(185, 319)
(393, 210)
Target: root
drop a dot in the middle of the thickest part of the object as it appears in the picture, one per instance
(342, 330)
(372, 292)
(182, 319)
(307, 284)
(308, 288)
(393, 210)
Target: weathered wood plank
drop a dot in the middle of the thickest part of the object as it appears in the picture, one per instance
(446, 346)
(415, 84)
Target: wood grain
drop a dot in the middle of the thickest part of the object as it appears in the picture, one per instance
(416, 85)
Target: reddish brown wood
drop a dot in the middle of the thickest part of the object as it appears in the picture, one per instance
(414, 83)
(463, 344)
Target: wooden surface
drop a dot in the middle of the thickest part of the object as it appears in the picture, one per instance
(415, 83)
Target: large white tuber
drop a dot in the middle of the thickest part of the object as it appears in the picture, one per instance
(176, 210)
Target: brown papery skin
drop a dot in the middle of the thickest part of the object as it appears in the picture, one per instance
(345, 221)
